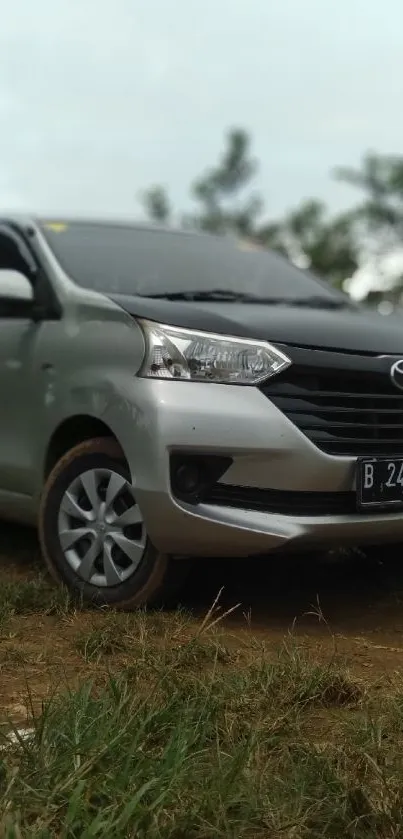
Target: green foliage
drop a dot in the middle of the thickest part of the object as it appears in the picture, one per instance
(381, 180)
(157, 204)
(328, 245)
(221, 185)
(380, 214)
(199, 753)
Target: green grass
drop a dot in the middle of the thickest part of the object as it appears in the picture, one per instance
(25, 597)
(203, 746)
(177, 732)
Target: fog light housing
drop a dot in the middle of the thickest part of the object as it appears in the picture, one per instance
(188, 477)
(192, 475)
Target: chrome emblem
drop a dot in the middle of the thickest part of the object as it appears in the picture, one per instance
(396, 374)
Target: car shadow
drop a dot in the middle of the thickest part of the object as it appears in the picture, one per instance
(350, 592)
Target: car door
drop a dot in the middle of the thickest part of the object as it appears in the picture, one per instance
(18, 384)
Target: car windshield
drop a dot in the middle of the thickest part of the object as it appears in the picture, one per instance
(118, 259)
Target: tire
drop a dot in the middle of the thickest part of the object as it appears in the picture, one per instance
(152, 579)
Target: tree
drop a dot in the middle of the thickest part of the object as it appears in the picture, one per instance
(156, 203)
(379, 218)
(381, 179)
(328, 246)
(217, 191)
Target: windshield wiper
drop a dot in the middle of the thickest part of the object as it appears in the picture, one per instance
(318, 303)
(226, 295)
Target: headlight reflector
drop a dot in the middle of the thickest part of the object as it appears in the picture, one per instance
(175, 353)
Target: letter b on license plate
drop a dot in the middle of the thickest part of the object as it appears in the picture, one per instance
(380, 482)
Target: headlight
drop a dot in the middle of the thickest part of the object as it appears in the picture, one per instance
(174, 353)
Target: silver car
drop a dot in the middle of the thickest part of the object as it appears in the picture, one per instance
(171, 394)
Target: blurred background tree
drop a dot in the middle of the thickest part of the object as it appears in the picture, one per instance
(330, 246)
(380, 179)
(156, 204)
(378, 218)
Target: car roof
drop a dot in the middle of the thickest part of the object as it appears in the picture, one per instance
(24, 220)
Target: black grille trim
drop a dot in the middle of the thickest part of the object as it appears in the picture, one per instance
(283, 502)
(346, 405)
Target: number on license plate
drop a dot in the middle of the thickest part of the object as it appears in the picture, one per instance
(380, 482)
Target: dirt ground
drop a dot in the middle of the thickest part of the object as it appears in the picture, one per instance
(352, 608)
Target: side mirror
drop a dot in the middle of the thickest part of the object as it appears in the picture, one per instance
(15, 287)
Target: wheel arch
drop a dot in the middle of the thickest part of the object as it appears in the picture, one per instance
(72, 431)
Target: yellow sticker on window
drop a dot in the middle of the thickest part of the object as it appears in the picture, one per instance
(56, 226)
(249, 245)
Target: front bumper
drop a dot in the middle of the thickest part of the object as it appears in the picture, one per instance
(267, 451)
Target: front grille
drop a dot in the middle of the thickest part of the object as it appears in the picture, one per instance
(283, 502)
(346, 405)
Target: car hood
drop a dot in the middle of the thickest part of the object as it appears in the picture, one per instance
(336, 329)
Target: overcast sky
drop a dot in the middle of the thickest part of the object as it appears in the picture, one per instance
(100, 98)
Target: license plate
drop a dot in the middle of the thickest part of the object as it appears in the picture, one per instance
(380, 482)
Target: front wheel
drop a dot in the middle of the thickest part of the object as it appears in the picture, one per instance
(93, 535)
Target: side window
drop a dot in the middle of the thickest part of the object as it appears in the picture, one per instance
(16, 288)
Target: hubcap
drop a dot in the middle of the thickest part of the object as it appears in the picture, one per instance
(101, 528)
